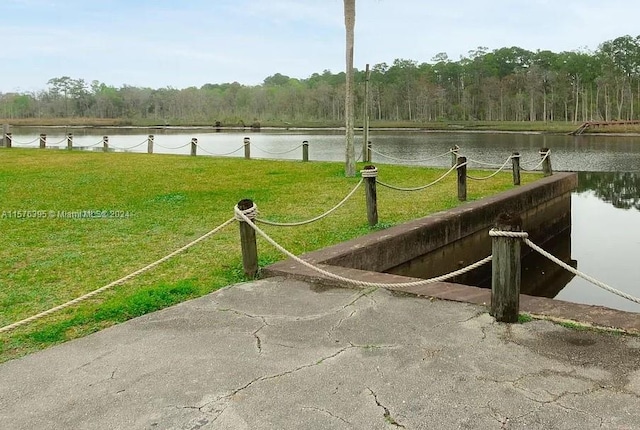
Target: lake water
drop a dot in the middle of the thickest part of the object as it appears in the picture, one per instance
(605, 238)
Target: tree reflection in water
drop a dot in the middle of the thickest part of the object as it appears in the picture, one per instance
(621, 189)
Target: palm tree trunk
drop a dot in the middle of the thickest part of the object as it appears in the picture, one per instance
(349, 22)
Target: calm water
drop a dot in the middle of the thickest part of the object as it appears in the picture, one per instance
(605, 239)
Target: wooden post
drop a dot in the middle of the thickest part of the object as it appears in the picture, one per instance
(505, 271)
(194, 146)
(369, 151)
(43, 141)
(370, 173)
(454, 155)
(6, 140)
(248, 242)
(365, 128)
(150, 144)
(515, 163)
(462, 178)
(69, 141)
(105, 143)
(247, 148)
(546, 164)
(305, 150)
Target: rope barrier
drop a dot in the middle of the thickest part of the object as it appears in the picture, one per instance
(491, 175)
(525, 238)
(319, 217)
(177, 147)
(96, 144)
(275, 153)
(422, 187)
(239, 213)
(130, 147)
(64, 139)
(114, 283)
(220, 155)
(472, 160)
(412, 160)
(546, 155)
(17, 142)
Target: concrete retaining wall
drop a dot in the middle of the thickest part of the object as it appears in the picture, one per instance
(445, 241)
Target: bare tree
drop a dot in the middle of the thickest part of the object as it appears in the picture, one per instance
(349, 22)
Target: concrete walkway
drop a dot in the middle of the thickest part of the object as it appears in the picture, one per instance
(283, 354)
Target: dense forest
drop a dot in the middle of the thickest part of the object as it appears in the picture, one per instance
(506, 84)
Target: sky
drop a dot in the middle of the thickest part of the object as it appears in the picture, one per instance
(184, 43)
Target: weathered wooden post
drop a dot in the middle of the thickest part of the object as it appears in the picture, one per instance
(6, 131)
(43, 141)
(247, 148)
(248, 240)
(545, 153)
(515, 164)
(505, 270)
(150, 144)
(454, 155)
(105, 143)
(194, 146)
(305, 150)
(69, 141)
(369, 151)
(369, 174)
(462, 178)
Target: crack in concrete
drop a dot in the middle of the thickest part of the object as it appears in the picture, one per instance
(262, 318)
(285, 346)
(208, 416)
(255, 334)
(555, 398)
(386, 414)
(477, 314)
(110, 378)
(339, 323)
(505, 420)
(277, 375)
(354, 299)
(326, 412)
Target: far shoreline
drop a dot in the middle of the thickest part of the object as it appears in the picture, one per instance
(488, 127)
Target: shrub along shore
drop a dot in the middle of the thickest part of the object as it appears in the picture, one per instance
(137, 208)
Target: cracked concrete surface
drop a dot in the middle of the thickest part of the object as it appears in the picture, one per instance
(284, 354)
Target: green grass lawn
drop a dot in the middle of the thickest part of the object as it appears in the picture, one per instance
(161, 203)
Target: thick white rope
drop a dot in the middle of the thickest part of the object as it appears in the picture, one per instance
(220, 155)
(319, 217)
(413, 160)
(96, 144)
(64, 139)
(17, 142)
(253, 145)
(525, 237)
(491, 175)
(580, 274)
(424, 186)
(546, 155)
(369, 173)
(356, 282)
(177, 147)
(114, 283)
(473, 160)
(126, 148)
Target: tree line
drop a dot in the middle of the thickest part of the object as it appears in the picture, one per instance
(506, 84)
